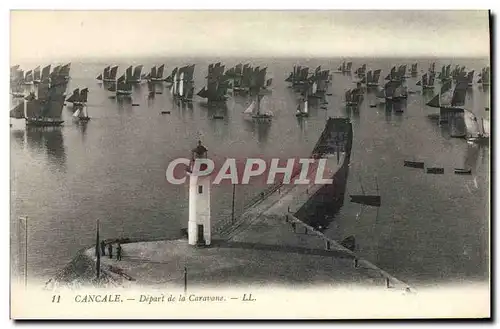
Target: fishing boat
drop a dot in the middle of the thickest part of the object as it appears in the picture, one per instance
(75, 96)
(28, 78)
(217, 85)
(435, 170)
(81, 98)
(463, 171)
(109, 74)
(81, 114)
(372, 78)
(302, 111)
(183, 87)
(45, 73)
(427, 81)
(401, 91)
(42, 111)
(299, 76)
(122, 87)
(254, 110)
(478, 131)
(133, 75)
(484, 76)
(344, 67)
(156, 74)
(361, 71)
(353, 97)
(17, 91)
(414, 69)
(449, 101)
(414, 164)
(37, 77)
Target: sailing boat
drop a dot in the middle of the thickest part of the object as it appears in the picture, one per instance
(122, 87)
(81, 99)
(17, 91)
(302, 111)
(448, 105)
(401, 91)
(81, 114)
(470, 77)
(36, 75)
(74, 96)
(217, 85)
(478, 133)
(43, 111)
(111, 74)
(427, 81)
(103, 75)
(372, 78)
(156, 75)
(28, 78)
(485, 76)
(353, 97)
(254, 109)
(414, 70)
(133, 75)
(45, 73)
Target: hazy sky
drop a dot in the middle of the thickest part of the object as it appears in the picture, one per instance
(63, 34)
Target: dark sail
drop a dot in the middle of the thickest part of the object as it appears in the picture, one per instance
(37, 74)
(106, 74)
(128, 74)
(153, 73)
(434, 102)
(159, 72)
(83, 95)
(137, 73)
(75, 96)
(112, 73)
(458, 98)
(43, 90)
(18, 111)
(33, 108)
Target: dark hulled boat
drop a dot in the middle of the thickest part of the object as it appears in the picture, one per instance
(414, 164)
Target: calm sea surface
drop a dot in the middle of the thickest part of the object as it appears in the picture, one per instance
(430, 228)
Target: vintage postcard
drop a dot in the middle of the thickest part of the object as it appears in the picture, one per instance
(318, 164)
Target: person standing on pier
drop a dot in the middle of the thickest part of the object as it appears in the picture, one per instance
(119, 252)
(103, 248)
(110, 250)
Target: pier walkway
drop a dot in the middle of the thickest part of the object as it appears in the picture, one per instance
(265, 245)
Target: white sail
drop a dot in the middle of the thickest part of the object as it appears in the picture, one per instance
(486, 127)
(77, 113)
(264, 106)
(314, 88)
(174, 85)
(181, 85)
(471, 124)
(305, 109)
(85, 113)
(250, 108)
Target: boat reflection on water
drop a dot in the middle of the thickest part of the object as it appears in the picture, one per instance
(49, 140)
(19, 137)
(124, 102)
(260, 128)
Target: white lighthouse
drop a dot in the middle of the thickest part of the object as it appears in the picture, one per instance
(199, 230)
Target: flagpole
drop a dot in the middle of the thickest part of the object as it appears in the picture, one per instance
(26, 252)
(98, 252)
